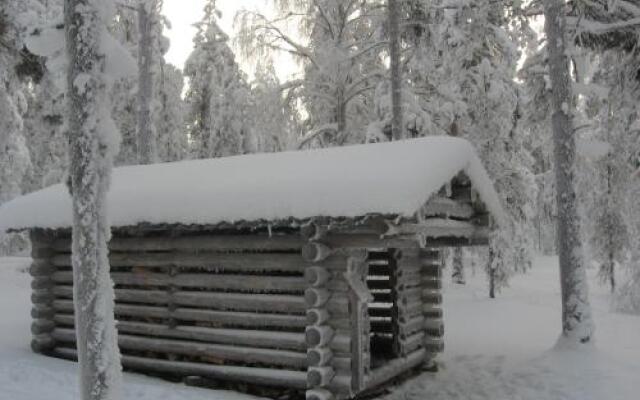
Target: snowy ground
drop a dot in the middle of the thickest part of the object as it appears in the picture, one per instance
(498, 349)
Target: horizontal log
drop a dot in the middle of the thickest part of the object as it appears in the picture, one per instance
(219, 301)
(430, 282)
(316, 276)
(205, 261)
(42, 343)
(258, 376)
(42, 253)
(259, 283)
(41, 282)
(44, 312)
(411, 343)
(431, 311)
(316, 298)
(319, 376)
(224, 353)
(394, 368)
(319, 335)
(45, 296)
(316, 252)
(447, 208)
(319, 356)
(318, 394)
(317, 316)
(410, 327)
(222, 243)
(434, 327)
(432, 271)
(41, 268)
(221, 318)
(433, 344)
(431, 296)
(39, 326)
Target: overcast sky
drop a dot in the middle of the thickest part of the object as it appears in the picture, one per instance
(184, 13)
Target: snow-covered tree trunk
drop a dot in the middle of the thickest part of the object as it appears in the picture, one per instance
(147, 152)
(396, 72)
(576, 313)
(91, 138)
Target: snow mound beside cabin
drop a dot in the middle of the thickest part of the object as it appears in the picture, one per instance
(387, 178)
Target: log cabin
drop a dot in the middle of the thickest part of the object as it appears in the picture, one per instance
(316, 271)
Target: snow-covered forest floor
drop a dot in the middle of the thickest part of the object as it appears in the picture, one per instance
(498, 349)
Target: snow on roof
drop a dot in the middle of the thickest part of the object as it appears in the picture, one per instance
(351, 181)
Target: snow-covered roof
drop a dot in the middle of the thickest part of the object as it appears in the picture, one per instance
(352, 181)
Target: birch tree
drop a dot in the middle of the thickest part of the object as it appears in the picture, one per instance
(577, 325)
(92, 142)
(338, 47)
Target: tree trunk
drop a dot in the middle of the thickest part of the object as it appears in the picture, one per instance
(147, 152)
(396, 72)
(457, 273)
(91, 159)
(492, 275)
(576, 313)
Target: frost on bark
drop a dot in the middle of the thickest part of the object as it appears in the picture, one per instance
(147, 152)
(91, 141)
(396, 72)
(576, 314)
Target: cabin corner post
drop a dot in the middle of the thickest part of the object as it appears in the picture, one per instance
(319, 334)
(330, 316)
(42, 296)
(431, 295)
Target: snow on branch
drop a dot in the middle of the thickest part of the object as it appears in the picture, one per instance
(599, 28)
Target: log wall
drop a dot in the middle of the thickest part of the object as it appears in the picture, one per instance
(221, 307)
(312, 312)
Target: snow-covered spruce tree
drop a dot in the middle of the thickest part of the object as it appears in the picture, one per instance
(170, 121)
(536, 107)
(577, 325)
(44, 133)
(615, 114)
(218, 100)
(93, 142)
(339, 52)
(123, 94)
(15, 18)
(477, 45)
(43, 121)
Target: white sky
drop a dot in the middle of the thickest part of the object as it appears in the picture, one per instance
(184, 13)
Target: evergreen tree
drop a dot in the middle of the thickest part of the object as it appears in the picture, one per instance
(15, 63)
(218, 99)
(172, 142)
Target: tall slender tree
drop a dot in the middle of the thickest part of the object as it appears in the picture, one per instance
(91, 140)
(395, 68)
(577, 325)
(148, 19)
